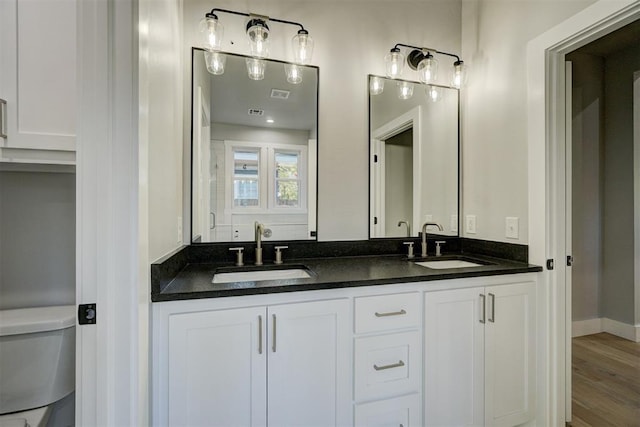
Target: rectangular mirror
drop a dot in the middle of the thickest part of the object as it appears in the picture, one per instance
(253, 152)
(414, 158)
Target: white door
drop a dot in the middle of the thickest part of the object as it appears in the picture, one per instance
(218, 368)
(454, 358)
(309, 361)
(510, 354)
(568, 321)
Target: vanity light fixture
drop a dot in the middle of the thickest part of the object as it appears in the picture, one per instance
(258, 33)
(423, 61)
(376, 85)
(405, 90)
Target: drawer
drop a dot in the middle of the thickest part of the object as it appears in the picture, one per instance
(387, 365)
(386, 312)
(402, 411)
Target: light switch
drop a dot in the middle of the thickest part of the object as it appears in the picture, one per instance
(470, 224)
(454, 223)
(511, 227)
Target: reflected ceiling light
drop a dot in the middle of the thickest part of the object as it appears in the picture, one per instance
(215, 62)
(376, 85)
(423, 61)
(294, 73)
(405, 90)
(258, 34)
(270, 121)
(255, 68)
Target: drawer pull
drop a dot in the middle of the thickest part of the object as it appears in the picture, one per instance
(393, 365)
(393, 313)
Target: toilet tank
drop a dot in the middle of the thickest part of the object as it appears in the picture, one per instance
(37, 356)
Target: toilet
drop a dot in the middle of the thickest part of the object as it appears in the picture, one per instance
(37, 363)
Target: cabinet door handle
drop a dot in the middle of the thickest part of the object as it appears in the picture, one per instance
(3, 118)
(492, 300)
(259, 334)
(393, 365)
(483, 309)
(273, 346)
(393, 313)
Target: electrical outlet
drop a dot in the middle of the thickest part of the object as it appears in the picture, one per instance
(428, 218)
(470, 224)
(511, 227)
(454, 223)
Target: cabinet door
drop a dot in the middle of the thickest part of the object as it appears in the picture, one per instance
(454, 358)
(510, 354)
(400, 411)
(308, 381)
(38, 74)
(217, 368)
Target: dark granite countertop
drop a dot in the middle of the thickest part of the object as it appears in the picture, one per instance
(195, 279)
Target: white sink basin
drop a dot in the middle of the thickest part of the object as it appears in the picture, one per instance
(448, 263)
(258, 275)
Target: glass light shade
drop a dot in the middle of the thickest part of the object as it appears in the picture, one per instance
(433, 93)
(394, 61)
(459, 74)
(255, 68)
(405, 90)
(258, 38)
(294, 73)
(376, 86)
(215, 62)
(428, 69)
(211, 32)
(302, 44)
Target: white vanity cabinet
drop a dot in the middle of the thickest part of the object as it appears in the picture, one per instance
(480, 355)
(388, 360)
(281, 364)
(38, 81)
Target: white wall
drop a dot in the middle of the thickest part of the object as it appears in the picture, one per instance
(37, 239)
(351, 39)
(618, 244)
(495, 34)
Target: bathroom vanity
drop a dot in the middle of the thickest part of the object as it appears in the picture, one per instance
(364, 340)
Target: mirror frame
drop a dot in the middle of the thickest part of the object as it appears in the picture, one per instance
(191, 169)
(459, 161)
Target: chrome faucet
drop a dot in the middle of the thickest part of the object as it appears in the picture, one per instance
(408, 227)
(259, 232)
(424, 235)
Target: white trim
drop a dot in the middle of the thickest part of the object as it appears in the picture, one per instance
(581, 328)
(636, 188)
(408, 120)
(545, 100)
(622, 330)
(568, 219)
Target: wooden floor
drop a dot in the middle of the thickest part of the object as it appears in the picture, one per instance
(606, 381)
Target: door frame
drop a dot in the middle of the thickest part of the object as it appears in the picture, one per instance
(408, 120)
(546, 136)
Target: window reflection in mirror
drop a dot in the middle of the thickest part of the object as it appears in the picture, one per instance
(254, 152)
(414, 158)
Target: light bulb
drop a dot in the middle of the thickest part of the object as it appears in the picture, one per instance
(215, 62)
(459, 74)
(302, 44)
(255, 68)
(294, 73)
(428, 69)
(258, 33)
(405, 90)
(376, 85)
(433, 93)
(211, 32)
(394, 61)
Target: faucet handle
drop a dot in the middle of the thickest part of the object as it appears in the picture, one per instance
(410, 255)
(239, 262)
(438, 249)
(279, 254)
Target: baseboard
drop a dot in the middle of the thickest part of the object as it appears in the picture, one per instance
(623, 330)
(580, 328)
(595, 326)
